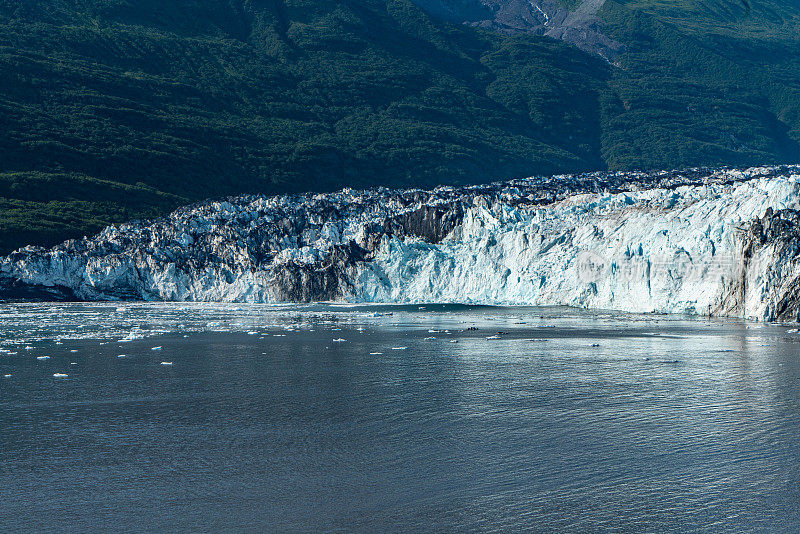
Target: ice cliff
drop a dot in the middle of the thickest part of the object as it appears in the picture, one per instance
(716, 242)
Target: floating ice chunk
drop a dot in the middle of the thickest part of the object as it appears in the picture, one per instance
(132, 335)
(42, 358)
(60, 375)
(156, 348)
(166, 363)
(339, 340)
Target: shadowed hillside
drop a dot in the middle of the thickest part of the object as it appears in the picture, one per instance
(120, 109)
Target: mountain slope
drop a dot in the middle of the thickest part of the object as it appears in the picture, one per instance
(117, 109)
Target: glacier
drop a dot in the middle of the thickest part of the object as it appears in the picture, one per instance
(716, 242)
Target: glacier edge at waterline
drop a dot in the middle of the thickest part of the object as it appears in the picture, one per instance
(711, 242)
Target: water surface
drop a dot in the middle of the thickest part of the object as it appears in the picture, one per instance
(284, 419)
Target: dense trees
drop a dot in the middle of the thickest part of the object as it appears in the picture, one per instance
(118, 109)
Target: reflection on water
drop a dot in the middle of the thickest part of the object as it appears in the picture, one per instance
(567, 421)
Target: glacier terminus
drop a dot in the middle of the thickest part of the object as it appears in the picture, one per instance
(717, 242)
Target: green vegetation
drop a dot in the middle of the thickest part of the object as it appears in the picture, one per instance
(119, 109)
(703, 82)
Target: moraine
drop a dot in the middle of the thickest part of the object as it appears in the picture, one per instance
(709, 242)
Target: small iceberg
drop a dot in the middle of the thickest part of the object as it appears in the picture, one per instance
(132, 336)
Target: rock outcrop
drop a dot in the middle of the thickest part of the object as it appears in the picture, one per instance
(580, 26)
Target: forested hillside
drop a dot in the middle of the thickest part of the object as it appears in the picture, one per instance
(119, 109)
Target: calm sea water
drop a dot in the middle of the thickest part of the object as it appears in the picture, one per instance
(285, 419)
